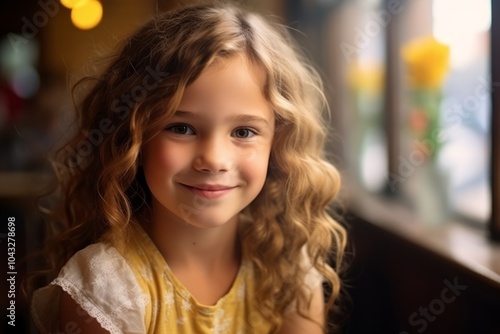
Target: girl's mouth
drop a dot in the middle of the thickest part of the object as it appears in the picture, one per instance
(209, 191)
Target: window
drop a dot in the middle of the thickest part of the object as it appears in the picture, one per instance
(446, 110)
(431, 149)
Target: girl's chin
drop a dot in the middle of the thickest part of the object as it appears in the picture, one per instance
(210, 223)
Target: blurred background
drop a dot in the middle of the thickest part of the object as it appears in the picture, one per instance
(410, 85)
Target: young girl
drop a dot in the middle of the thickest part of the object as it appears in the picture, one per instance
(194, 196)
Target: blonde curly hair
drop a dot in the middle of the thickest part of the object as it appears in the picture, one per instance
(102, 187)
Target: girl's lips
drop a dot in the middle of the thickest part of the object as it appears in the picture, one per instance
(209, 191)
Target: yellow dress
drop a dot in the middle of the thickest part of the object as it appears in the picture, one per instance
(136, 292)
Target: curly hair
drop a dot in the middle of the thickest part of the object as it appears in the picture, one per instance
(102, 187)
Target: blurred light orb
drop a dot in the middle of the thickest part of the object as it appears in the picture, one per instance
(71, 3)
(86, 14)
(26, 82)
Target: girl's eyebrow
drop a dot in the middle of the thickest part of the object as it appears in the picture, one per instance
(185, 114)
(239, 118)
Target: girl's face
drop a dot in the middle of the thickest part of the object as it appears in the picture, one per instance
(211, 159)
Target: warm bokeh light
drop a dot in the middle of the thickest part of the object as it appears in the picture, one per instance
(71, 3)
(86, 14)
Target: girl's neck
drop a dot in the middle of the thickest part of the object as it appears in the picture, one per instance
(187, 246)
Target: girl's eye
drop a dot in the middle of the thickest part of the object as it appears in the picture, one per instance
(180, 129)
(244, 133)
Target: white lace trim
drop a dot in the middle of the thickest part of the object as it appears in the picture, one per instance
(87, 305)
(102, 283)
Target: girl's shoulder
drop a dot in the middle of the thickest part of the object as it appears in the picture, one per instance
(102, 283)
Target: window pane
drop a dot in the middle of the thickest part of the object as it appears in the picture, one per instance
(466, 153)
(363, 48)
(446, 136)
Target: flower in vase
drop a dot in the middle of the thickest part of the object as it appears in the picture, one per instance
(427, 63)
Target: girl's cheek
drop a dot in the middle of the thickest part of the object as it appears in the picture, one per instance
(258, 153)
(163, 156)
(175, 156)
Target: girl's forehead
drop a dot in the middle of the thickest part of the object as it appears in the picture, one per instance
(236, 74)
(234, 85)
(240, 61)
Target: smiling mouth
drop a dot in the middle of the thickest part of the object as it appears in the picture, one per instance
(209, 191)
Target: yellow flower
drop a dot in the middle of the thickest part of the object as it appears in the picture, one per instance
(427, 62)
(365, 77)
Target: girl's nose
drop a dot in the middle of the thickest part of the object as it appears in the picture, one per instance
(214, 155)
